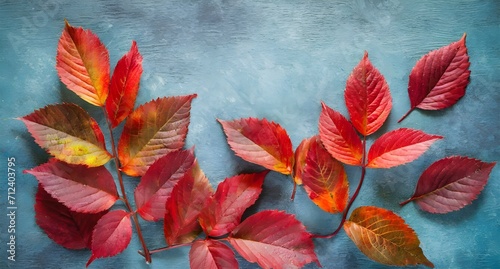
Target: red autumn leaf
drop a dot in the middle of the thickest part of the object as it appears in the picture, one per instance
(339, 137)
(67, 228)
(367, 97)
(261, 142)
(300, 159)
(324, 179)
(384, 237)
(274, 239)
(156, 185)
(82, 63)
(450, 184)
(80, 188)
(233, 196)
(211, 254)
(398, 147)
(68, 133)
(111, 235)
(438, 80)
(189, 196)
(153, 130)
(124, 86)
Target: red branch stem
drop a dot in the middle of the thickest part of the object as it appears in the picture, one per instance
(353, 198)
(146, 253)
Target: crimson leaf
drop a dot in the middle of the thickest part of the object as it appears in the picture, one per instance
(124, 86)
(398, 147)
(111, 235)
(274, 239)
(211, 254)
(339, 137)
(157, 184)
(367, 97)
(233, 196)
(67, 228)
(189, 196)
(261, 142)
(438, 80)
(450, 184)
(80, 188)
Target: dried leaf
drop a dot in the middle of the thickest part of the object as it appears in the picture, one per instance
(156, 185)
(111, 235)
(384, 237)
(438, 80)
(261, 142)
(233, 196)
(274, 239)
(189, 196)
(153, 130)
(67, 228)
(398, 147)
(82, 63)
(211, 254)
(124, 86)
(68, 133)
(367, 97)
(339, 137)
(324, 179)
(80, 188)
(450, 184)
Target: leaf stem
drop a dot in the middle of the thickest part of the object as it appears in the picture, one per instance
(353, 198)
(147, 254)
(406, 115)
(156, 250)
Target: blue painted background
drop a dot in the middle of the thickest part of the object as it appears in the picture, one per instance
(273, 59)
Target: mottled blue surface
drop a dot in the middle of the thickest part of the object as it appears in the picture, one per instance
(273, 59)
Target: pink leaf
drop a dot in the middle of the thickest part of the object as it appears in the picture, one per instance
(124, 86)
(67, 228)
(184, 205)
(339, 137)
(398, 147)
(261, 142)
(157, 184)
(111, 235)
(274, 239)
(367, 97)
(80, 188)
(450, 184)
(211, 254)
(233, 196)
(439, 78)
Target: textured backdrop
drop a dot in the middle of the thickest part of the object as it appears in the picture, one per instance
(273, 59)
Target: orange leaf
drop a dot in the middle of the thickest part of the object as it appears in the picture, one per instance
(124, 86)
(261, 142)
(367, 97)
(189, 196)
(384, 237)
(82, 63)
(68, 133)
(324, 179)
(153, 130)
